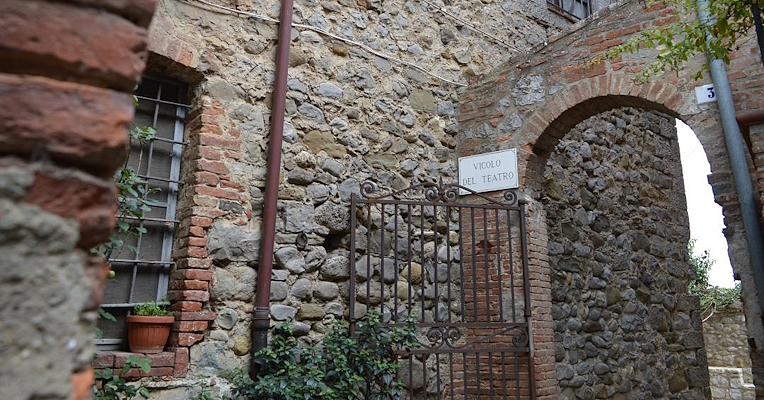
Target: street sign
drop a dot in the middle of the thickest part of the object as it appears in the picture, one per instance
(489, 172)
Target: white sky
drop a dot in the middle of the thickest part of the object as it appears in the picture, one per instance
(706, 222)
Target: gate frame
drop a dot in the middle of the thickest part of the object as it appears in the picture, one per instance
(448, 196)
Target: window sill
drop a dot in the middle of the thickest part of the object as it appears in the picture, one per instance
(171, 363)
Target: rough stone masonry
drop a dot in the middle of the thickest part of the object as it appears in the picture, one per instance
(352, 116)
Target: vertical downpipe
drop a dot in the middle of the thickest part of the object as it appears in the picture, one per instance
(738, 163)
(261, 318)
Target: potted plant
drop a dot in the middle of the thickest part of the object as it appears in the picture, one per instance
(149, 328)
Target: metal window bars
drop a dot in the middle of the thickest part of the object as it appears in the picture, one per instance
(575, 9)
(142, 273)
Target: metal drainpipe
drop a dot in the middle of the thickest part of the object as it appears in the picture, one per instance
(261, 318)
(740, 174)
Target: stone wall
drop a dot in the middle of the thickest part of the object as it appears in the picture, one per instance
(66, 74)
(614, 201)
(729, 363)
(369, 105)
(726, 338)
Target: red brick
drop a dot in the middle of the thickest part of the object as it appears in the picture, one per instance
(196, 285)
(190, 326)
(189, 295)
(177, 283)
(210, 153)
(186, 306)
(185, 339)
(209, 127)
(206, 178)
(591, 40)
(605, 45)
(74, 43)
(619, 33)
(181, 361)
(159, 371)
(195, 316)
(201, 221)
(120, 357)
(104, 359)
(575, 73)
(186, 57)
(209, 140)
(216, 167)
(230, 184)
(163, 359)
(197, 231)
(132, 373)
(205, 201)
(194, 263)
(76, 124)
(90, 202)
(216, 192)
(208, 212)
(199, 252)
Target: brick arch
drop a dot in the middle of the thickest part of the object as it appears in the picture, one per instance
(563, 122)
(534, 99)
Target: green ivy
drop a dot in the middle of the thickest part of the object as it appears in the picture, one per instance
(111, 386)
(343, 366)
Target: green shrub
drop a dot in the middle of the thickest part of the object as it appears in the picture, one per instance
(343, 366)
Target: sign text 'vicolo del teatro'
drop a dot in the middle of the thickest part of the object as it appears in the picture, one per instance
(489, 172)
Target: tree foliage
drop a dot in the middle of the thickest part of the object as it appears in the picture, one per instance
(686, 37)
(711, 297)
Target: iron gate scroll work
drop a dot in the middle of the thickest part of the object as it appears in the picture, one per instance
(459, 265)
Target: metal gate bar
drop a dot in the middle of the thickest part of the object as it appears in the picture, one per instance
(460, 266)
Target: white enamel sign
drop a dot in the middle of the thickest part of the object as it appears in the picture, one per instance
(705, 94)
(489, 172)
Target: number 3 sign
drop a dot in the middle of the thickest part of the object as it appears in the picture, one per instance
(705, 94)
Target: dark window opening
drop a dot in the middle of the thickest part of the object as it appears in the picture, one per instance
(573, 9)
(143, 265)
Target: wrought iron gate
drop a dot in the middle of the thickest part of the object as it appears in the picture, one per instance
(459, 266)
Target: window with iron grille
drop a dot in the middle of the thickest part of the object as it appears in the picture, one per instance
(576, 9)
(143, 264)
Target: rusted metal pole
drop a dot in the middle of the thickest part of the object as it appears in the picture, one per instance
(261, 318)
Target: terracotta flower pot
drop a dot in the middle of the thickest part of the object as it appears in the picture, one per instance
(148, 334)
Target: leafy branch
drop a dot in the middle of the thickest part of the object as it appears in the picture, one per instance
(678, 41)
